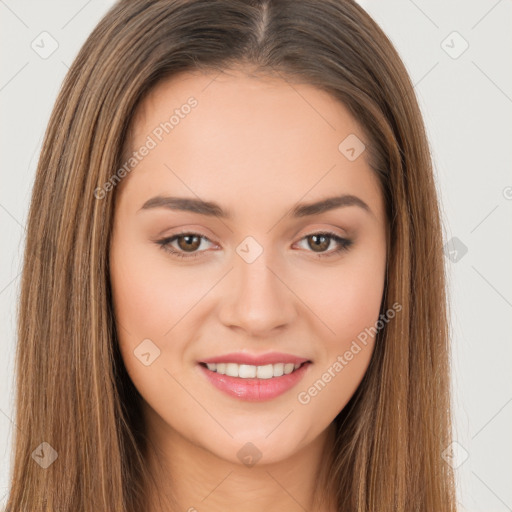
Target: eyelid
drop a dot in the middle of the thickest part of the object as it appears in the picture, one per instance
(190, 229)
(322, 228)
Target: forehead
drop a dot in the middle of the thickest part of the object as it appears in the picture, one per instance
(238, 99)
(247, 135)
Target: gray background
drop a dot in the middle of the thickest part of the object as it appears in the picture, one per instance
(466, 99)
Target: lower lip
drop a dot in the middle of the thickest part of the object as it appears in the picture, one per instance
(255, 390)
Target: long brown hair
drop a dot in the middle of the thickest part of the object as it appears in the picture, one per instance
(73, 391)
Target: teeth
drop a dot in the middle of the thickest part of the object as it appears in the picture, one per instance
(278, 369)
(231, 370)
(248, 371)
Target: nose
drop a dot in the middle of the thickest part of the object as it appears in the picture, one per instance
(257, 299)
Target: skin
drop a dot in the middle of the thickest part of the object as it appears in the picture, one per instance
(257, 146)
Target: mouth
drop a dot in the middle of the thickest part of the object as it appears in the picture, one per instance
(249, 371)
(254, 383)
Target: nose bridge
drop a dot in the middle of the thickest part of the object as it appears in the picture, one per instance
(258, 300)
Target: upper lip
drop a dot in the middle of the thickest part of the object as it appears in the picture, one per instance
(256, 360)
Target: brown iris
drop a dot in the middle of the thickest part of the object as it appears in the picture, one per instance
(188, 245)
(324, 244)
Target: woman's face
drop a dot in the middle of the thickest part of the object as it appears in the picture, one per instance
(231, 166)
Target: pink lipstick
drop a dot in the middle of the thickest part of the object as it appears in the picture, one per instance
(254, 377)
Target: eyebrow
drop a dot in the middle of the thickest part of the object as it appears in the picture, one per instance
(212, 209)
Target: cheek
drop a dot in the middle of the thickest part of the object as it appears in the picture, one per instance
(356, 300)
(349, 304)
(150, 295)
(149, 302)
(345, 298)
(346, 354)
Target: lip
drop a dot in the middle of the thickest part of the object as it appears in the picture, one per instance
(254, 390)
(256, 360)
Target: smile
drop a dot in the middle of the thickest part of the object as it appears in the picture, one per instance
(254, 383)
(248, 371)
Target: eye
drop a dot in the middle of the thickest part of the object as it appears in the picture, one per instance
(323, 240)
(189, 243)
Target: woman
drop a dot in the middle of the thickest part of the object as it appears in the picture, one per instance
(233, 291)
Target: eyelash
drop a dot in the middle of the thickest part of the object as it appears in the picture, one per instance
(343, 244)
